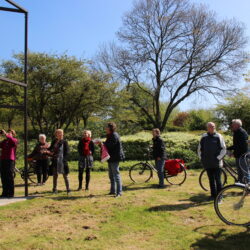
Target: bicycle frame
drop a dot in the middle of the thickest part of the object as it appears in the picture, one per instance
(230, 170)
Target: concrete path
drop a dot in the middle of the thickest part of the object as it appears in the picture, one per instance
(4, 202)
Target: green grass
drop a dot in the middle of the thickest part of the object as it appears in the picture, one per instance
(144, 218)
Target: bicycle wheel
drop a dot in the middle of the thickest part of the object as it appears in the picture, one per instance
(177, 179)
(204, 181)
(232, 205)
(140, 173)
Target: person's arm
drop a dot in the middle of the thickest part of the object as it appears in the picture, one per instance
(79, 147)
(92, 147)
(111, 143)
(12, 140)
(66, 149)
(199, 150)
(161, 149)
(223, 151)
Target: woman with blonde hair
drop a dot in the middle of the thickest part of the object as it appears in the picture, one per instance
(86, 151)
(59, 150)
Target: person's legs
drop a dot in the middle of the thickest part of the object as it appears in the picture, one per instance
(211, 177)
(3, 178)
(66, 180)
(217, 175)
(80, 177)
(111, 178)
(39, 171)
(87, 178)
(9, 178)
(117, 177)
(160, 171)
(55, 177)
(45, 167)
(239, 170)
(244, 170)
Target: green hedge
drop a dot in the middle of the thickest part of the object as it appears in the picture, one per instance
(181, 145)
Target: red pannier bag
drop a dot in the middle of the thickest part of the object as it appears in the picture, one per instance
(173, 166)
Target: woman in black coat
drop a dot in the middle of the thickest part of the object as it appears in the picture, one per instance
(86, 151)
(59, 151)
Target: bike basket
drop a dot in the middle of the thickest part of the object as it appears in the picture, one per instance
(173, 166)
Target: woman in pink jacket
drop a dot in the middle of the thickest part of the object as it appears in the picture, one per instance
(8, 157)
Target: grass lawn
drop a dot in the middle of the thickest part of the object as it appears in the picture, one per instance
(144, 218)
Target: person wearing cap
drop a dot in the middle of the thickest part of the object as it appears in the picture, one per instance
(8, 158)
(211, 151)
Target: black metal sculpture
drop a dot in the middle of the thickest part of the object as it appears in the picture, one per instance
(18, 9)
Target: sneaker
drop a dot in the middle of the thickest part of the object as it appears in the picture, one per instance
(79, 189)
(118, 195)
(68, 192)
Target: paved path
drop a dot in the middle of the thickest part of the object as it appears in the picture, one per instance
(4, 202)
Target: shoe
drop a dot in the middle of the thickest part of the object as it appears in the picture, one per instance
(118, 195)
(3, 196)
(161, 187)
(55, 191)
(86, 189)
(79, 189)
(211, 198)
(68, 192)
(10, 196)
(110, 193)
(220, 200)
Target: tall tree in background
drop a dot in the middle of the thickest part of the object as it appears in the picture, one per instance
(177, 49)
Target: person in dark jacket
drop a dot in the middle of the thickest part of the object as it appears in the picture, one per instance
(115, 150)
(8, 158)
(211, 151)
(159, 155)
(240, 147)
(86, 149)
(41, 159)
(59, 150)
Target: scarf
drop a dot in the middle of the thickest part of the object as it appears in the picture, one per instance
(86, 149)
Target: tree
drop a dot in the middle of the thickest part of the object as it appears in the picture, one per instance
(176, 49)
(237, 107)
(181, 119)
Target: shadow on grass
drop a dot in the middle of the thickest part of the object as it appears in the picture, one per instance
(222, 240)
(196, 201)
(71, 197)
(132, 187)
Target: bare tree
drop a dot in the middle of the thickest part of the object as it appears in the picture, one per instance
(176, 49)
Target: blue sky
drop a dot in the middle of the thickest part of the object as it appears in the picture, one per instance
(79, 27)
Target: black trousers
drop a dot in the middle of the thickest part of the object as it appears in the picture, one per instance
(42, 170)
(7, 177)
(80, 177)
(214, 176)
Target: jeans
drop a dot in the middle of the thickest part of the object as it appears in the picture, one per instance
(214, 176)
(159, 165)
(42, 170)
(115, 178)
(7, 177)
(243, 171)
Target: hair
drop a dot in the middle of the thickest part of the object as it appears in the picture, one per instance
(58, 130)
(211, 124)
(157, 131)
(237, 121)
(87, 132)
(12, 131)
(42, 135)
(112, 126)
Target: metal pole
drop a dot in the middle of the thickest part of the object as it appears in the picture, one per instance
(25, 103)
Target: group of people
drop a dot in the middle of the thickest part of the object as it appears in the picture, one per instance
(211, 151)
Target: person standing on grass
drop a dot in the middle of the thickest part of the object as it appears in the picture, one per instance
(211, 151)
(8, 158)
(41, 158)
(59, 150)
(115, 150)
(86, 149)
(240, 147)
(159, 155)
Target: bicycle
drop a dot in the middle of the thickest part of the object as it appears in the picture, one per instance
(31, 172)
(232, 204)
(142, 172)
(226, 169)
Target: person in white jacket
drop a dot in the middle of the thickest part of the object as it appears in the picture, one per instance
(211, 151)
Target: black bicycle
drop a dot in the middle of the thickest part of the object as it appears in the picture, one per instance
(31, 172)
(142, 172)
(232, 204)
(227, 168)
